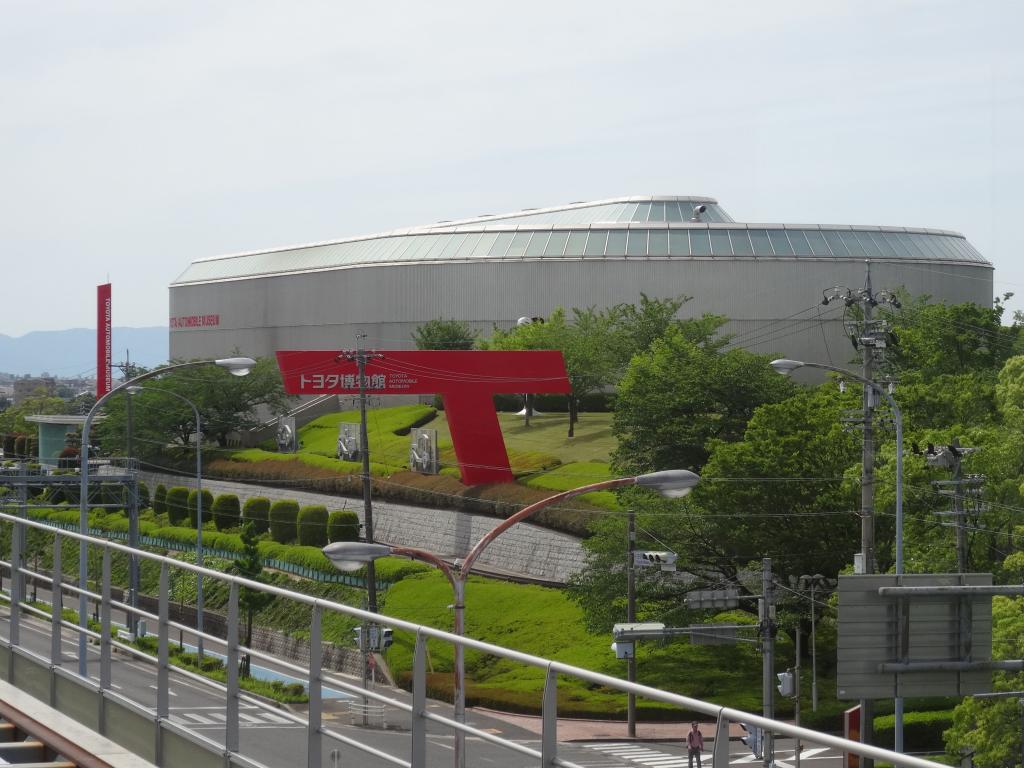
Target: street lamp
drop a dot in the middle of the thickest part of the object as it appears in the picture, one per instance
(786, 367)
(238, 366)
(133, 390)
(350, 556)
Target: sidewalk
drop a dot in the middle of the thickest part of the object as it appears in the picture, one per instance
(612, 730)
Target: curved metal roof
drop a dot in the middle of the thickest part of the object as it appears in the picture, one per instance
(621, 228)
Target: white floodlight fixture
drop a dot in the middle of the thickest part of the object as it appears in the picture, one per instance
(352, 555)
(237, 366)
(672, 483)
(785, 367)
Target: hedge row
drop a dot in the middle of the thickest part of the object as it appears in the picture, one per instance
(311, 526)
(439, 491)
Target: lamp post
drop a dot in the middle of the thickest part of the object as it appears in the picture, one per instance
(135, 390)
(239, 366)
(350, 556)
(786, 367)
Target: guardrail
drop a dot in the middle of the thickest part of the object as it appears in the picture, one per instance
(149, 730)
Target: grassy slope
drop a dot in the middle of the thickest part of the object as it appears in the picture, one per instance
(546, 623)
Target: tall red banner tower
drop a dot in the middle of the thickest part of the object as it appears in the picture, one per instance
(467, 380)
(104, 380)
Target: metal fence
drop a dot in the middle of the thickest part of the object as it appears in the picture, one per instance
(144, 725)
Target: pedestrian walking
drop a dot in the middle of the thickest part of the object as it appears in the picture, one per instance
(694, 744)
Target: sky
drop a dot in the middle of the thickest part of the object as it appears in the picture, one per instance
(137, 137)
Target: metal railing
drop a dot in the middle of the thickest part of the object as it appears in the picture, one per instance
(150, 731)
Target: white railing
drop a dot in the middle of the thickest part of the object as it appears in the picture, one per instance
(319, 735)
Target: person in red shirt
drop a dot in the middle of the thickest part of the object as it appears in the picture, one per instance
(694, 744)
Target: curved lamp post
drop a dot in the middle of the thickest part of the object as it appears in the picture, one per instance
(239, 366)
(133, 390)
(351, 556)
(786, 367)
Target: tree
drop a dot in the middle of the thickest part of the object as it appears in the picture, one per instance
(13, 421)
(444, 334)
(741, 511)
(992, 726)
(250, 566)
(226, 404)
(935, 339)
(586, 343)
(678, 396)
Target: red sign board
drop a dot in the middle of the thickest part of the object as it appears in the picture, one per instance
(104, 380)
(467, 380)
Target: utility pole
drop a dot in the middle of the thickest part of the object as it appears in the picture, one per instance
(360, 357)
(630, 618)
(767, 615)
(869, 337)
(959, 489)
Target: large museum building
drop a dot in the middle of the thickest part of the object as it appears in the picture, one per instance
(768, 279)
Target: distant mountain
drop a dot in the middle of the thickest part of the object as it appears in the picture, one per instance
(72, 353)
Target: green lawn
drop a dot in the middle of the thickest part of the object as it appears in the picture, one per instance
(545, 622)
(537, 448)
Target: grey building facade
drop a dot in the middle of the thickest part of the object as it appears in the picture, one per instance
(768, 279)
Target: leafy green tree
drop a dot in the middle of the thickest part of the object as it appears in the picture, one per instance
(226, 404)
(343, 525)
(284, 520)
(193, 507)
(680, 395)
(13, 421)
(586, 342)
(226, 512)
(257, 511)
(444, 334)
(935, 339)
(992, 726)
(312, 522)
(250, 566)
(177, 505)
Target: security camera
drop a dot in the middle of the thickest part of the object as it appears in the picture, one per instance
(697, 211)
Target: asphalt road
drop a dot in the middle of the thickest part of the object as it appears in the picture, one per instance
(271, 739)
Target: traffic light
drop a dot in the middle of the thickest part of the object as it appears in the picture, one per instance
(386, 638)
(357, 632)
(624, 649)
(787, 683)
(752, 738)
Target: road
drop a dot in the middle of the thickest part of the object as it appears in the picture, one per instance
(271, 738)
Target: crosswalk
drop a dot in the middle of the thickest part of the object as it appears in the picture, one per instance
(631, 755)
(200, 718)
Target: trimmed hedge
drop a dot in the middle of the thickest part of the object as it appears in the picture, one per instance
(257, 512)
(144, 502)
(284, 521)
(176, 502)
(227, 512)
(160, 499)
(193, 507)
(312, 522)
(922, 731)
(343, 525)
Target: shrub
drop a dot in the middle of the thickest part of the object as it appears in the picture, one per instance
(144, 502)
(160, 499)
(176, 502)
(257, 511)
(343, 525)
(313, 526)
(284, 519)
(193, 507)
(227, 513)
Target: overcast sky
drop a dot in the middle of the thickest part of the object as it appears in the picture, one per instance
(138, 136)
